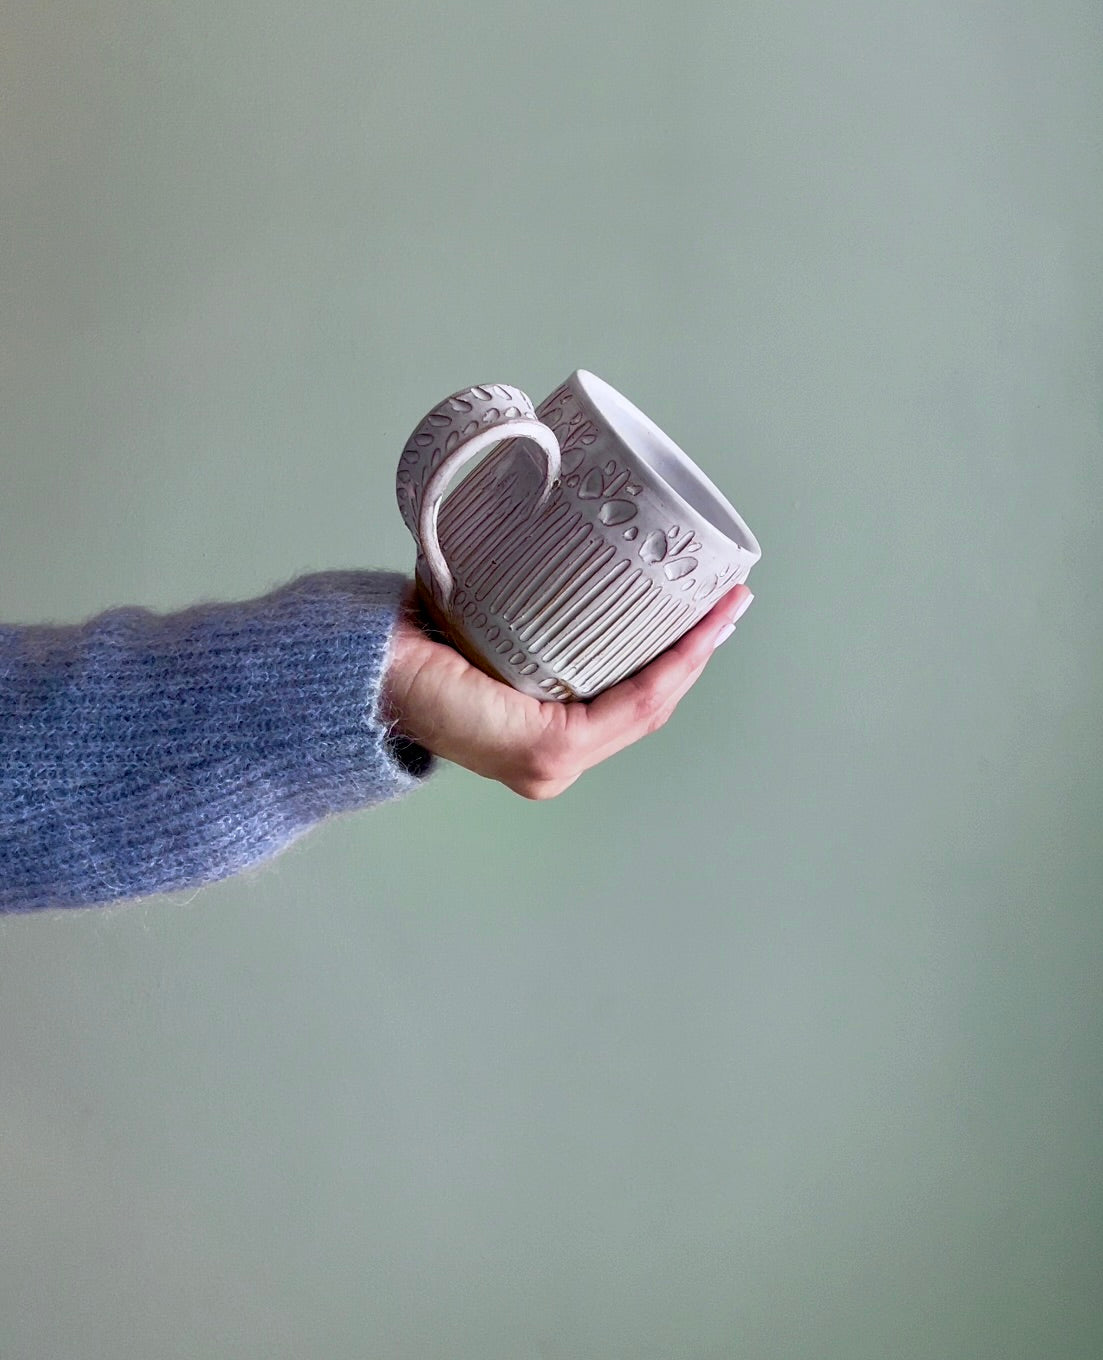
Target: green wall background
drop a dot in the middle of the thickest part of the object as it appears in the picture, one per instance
(777, 1036)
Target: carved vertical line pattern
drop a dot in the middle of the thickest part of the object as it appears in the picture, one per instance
(630, 602)
(650, 643)
(555, 612)
(636, 608)
(559, 522)
(605, 585)
(564, 571)
(646, 647)
(588, 677)
(672, 627)
(590, 626)
(546, 597)
(539, 603)
(561, 567)
(472, 485)
(481, 553)
(550, 540)
(513, 550)
(676, 624)
(637, 625)
(586, 589)
(664, 612)
(596, 625)
(513, 588)
(459, 539)
(456, 513)
(641, 626)
(467, 544)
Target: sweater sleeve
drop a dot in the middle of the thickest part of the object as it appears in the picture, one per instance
(144, 752)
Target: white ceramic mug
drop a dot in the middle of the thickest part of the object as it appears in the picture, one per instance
(584, 545)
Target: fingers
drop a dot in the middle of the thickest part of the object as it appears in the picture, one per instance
(538, 749)
(642, 704)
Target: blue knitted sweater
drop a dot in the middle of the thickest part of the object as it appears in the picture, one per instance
(144, 752)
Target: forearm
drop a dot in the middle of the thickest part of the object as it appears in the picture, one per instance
(144, 752)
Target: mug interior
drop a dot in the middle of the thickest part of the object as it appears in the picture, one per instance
(644, 438)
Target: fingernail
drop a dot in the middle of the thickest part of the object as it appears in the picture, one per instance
(747, 599)
(723, 635)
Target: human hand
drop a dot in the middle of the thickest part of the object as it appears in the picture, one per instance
(437, 698)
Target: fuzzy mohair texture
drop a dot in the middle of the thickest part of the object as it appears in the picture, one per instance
(143, 752)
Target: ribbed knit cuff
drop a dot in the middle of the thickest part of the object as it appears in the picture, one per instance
(144, 752)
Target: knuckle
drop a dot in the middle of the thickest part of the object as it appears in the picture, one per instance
(658, 721)
(649, 704)
(662, 715)
(651, 710)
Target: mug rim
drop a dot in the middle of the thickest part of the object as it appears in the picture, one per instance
(607, 402)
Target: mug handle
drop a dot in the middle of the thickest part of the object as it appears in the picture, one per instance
(461, 428)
